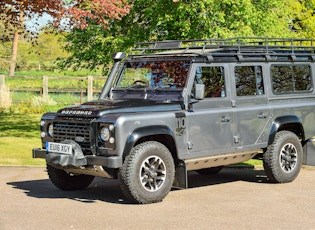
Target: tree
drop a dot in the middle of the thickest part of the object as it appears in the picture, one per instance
(79, 12)
(303, 17)
(167, 20)
(76, 11)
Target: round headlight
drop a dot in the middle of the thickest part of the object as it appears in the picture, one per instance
(51, 130)
(104, 134)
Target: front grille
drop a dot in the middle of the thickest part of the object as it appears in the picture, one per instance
(73, 130)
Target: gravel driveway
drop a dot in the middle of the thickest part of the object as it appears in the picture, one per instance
(236, 198)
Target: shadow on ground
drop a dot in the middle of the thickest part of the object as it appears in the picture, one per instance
(19, 125)
(108, 190)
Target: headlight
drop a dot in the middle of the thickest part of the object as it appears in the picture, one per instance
(51, 130)
(104, 134)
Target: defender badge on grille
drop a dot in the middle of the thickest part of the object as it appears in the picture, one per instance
(76, 112)
(79, 139)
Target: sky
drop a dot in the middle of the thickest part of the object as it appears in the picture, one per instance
(42, 21)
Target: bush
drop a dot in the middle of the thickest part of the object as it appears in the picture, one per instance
(42, 101)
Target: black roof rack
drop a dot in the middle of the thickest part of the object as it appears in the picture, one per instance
(237, 45)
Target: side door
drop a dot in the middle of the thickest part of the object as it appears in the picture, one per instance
(210, 121)
(251, 106)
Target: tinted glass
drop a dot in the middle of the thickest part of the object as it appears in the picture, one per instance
(291, 79)
(213, 79)
(249, 80)
(153, 74)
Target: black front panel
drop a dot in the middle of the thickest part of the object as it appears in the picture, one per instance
(78, 131)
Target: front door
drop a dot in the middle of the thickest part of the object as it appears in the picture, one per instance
(211, 121)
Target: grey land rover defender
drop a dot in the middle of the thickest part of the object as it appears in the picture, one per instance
(170, 107)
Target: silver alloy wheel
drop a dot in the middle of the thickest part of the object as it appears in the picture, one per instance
(152, 173)
(288, 157)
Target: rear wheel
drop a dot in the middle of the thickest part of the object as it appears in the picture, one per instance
(283, 158)
(147, 174)
(67, 181)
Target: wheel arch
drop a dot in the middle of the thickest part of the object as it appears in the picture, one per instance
(290, 123)
(159, 133)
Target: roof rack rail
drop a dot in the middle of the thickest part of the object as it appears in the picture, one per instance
(239, 44)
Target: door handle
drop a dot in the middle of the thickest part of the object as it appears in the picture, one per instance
(225, 119)
(262, 116)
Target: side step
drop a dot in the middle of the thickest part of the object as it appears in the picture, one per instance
(183, 166)
(220, 160)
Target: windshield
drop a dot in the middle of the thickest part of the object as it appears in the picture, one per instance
(154, 75)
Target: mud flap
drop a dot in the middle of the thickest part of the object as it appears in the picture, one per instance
(75, 159)
(309, 153)
(180, 181)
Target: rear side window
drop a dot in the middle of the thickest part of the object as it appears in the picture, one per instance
(291, 79)
(249, 80)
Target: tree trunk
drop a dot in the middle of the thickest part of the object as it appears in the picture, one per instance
(15, 44)
(14, 53)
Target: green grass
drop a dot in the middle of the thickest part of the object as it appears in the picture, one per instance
(19, 134)
(82, 73)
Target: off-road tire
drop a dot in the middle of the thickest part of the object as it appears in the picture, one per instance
(147, 173)
(210, 171)
(283, 158)
(66, 181)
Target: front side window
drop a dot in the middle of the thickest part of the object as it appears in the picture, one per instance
(249, 80)
(291, 79)
(213, 79)
(154, 74)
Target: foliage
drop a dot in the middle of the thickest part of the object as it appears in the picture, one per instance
(78, 12)
(75, 11)
(303, 18)
(37, 56)
(167, 20)
(29, 101)
(66, 14)
(43, 54)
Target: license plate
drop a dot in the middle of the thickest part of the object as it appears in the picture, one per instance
(58, 148)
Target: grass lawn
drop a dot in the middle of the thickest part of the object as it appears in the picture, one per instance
(19, 134)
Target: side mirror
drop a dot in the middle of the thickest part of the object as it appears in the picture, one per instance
(199, 91)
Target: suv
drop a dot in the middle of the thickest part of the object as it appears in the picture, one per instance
(175, 106)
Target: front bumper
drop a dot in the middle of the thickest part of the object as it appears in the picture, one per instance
(110, 162)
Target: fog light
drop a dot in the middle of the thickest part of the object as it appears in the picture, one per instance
(112, 140)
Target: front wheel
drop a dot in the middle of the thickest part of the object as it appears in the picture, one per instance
(147, 174)
(66, 181)
(283, 158)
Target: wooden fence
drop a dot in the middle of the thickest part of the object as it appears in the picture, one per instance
(45, 90)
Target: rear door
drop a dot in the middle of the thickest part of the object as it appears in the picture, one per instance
(251, 106)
